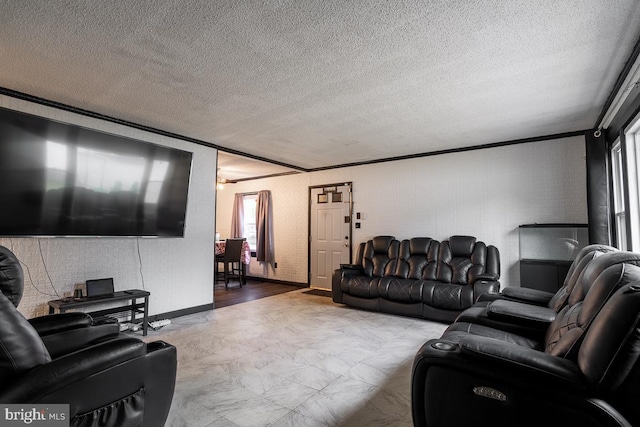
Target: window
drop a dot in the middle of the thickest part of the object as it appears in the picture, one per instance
(249, 224)
(632, 143)
(618, 195)
(625, 158)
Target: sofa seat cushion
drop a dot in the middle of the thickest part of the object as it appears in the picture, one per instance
(400, 290)
(360, 286)
(447, 296)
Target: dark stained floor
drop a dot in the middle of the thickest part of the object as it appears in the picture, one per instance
(254, 289)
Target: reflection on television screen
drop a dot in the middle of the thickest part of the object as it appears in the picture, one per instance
(65, 180)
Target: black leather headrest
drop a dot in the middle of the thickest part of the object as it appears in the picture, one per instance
(11, 276)
(600, 263)
(462, 246)
(381, 244)
(419, 245)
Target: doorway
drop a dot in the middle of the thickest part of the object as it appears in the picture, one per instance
(329, 232)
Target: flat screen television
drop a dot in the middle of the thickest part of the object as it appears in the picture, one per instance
(58, 179)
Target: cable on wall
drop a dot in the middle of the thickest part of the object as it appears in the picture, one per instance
(140, 263)
(44, 264)
(29, 272)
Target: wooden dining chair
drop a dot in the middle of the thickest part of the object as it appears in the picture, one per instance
(233, 261)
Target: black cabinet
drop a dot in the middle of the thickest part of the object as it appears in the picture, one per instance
(546, 253)
(545, 275)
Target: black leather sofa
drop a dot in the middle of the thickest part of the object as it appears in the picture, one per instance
(582, 368)
(419, 277)
(107, 378)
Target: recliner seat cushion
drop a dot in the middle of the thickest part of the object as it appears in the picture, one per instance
(446, 295)
(400, 290)
(456, 331)
(360, 286)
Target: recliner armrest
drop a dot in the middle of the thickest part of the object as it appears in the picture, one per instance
(67, 342)
(484, 287)
(55, 323)
(528, 295)
(517, 360)
(71, 368)
(135, 381)
(67, 332)
(521, 314)
(350, 269)
(488, 276)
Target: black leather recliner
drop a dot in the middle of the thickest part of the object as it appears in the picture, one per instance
(61, 333)
(529, 317)
(585, 372)
(113, 381)
(544, 298)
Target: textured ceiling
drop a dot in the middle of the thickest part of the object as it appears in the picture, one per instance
(321, 83)
(232, 167)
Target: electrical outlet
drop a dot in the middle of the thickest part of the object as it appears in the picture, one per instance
(275, 265)
(357, 225)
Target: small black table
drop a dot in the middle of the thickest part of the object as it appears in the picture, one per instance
(132, 295)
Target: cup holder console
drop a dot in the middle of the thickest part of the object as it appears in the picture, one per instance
(443, 346)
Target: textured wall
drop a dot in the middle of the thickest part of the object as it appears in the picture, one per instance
(485, 193)
(178, 271)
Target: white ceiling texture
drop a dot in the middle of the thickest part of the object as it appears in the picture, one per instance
(313, 84)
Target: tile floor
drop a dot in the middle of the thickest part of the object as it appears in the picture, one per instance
(294, 360)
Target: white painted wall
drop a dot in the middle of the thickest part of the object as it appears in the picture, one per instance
(485, 193)
(177, 271)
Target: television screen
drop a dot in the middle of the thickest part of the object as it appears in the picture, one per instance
(58, 179)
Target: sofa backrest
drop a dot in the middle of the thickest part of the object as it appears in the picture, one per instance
(20, 346)
(11, 276)
(418, 258)
(461, 259)
(609, 356)
(380, 256)
(584, 257)
(592, 270)
(564, 335)
(586, 252)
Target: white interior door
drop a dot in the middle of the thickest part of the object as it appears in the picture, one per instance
(330, 239)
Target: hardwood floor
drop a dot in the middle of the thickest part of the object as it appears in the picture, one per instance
(254, 289)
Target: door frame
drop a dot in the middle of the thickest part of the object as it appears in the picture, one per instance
(309, 201)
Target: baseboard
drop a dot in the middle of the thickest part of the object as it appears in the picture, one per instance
(205, 307)
(279, 282)
(183, 312)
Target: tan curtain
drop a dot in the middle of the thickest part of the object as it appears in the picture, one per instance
(264, 227)
(237, 217)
